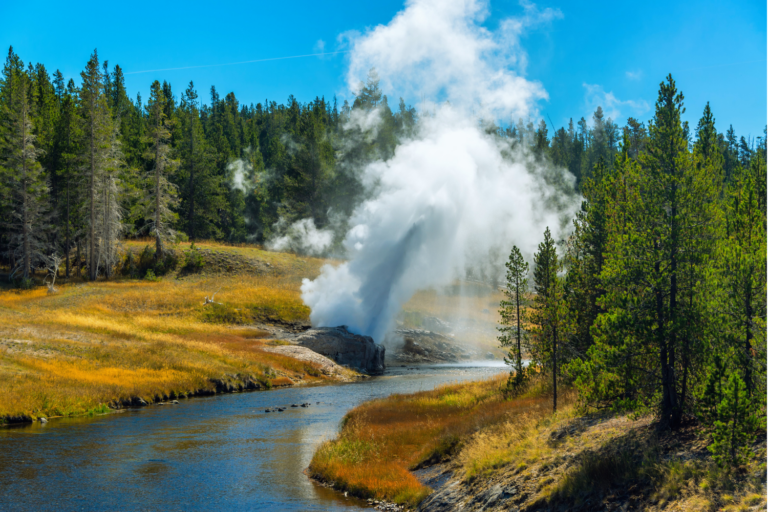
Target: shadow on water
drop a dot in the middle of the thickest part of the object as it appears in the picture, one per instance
(215, 453)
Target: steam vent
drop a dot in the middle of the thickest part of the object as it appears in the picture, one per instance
(347, 349)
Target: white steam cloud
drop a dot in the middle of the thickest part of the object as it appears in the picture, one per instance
(301, 237)
(452, 195)
(240, 175)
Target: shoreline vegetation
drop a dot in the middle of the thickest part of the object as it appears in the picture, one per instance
(492, 453)
(95, 346)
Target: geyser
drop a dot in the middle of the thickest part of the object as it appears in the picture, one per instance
(453, 195)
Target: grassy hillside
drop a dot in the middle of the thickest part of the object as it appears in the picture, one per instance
(110, 342)
(516, 455)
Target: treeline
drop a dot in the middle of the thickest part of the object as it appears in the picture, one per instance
(83, 165)
(657, 301)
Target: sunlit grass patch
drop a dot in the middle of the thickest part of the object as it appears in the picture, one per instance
(94, 343)
(382, 439)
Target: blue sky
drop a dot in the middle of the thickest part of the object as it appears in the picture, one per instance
(608, 53)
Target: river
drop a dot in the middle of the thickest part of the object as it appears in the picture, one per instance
(213, 453)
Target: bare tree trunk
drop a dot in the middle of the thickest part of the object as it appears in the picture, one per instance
(748, 346)
(677, 411)
(66, 246)
(27, 263)
(191, 214)
(92, 196)
(158, 240)
(519, 341)
(554, 365)
(667, 400)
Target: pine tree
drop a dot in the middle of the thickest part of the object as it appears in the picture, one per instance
(22, 175)
(549, 313)
(68, 132)
(162, 195)
(96, 146)
(660, 233)
(584, 257)
(200, 188)
(735, 423)
(512, 334)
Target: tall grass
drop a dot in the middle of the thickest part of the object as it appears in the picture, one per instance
(382, 439)
(95, 343)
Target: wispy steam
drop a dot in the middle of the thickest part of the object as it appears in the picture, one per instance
(438, 49)
(240, 175)
(301, 237)
(453, 195)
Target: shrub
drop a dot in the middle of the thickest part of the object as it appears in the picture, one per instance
(150, 276)
(25, 283)
(193, 261)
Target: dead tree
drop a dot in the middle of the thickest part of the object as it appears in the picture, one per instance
(207, 301)
(53, 264)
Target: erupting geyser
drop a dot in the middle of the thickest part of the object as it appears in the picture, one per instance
(452, 196)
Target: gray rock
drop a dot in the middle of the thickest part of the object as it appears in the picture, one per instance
(345, 348)
(432, 323)
(43, 420)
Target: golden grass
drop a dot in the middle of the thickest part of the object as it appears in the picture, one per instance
(93, 343)
(382, 439)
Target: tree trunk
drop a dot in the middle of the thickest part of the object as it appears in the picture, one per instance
(519, 341)
(666, 398)
(66, 243)
(748, 332)
(191, 214)
(677, 411)
(554, 365)
(26, 262)
(92, 197)
(158, 241)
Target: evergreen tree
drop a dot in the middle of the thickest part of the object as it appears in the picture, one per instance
(512, 334)
(161, 197)
(66, 168)
(22, 175)
(549, 313)
(95, 147)
(200, 188)
(660, 234)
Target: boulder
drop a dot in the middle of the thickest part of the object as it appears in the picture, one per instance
(346, 348)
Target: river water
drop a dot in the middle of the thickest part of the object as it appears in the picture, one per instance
(214, 453)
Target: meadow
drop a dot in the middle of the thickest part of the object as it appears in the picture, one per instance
(95, 344)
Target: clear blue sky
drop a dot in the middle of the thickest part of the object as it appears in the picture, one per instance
(612, 53)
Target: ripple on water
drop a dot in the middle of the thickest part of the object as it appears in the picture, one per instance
(213, 453)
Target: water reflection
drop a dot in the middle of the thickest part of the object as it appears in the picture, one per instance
(216, 453)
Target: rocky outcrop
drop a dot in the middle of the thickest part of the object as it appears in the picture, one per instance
(420, 346)
(345, 348)
(326, 365)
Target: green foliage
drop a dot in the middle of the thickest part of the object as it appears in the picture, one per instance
(666, 281)
(193, 260)
(512, 334)
(150, 276)
(24, 283)
(735, 420)
(549, 315)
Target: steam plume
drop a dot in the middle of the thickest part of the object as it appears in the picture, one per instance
(453, 194)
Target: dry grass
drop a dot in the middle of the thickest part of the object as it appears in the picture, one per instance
(93, 343)
(382, 439)
(588, 462)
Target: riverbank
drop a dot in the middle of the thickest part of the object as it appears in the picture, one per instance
(94, 346)
(381, 442)
(465, 447)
